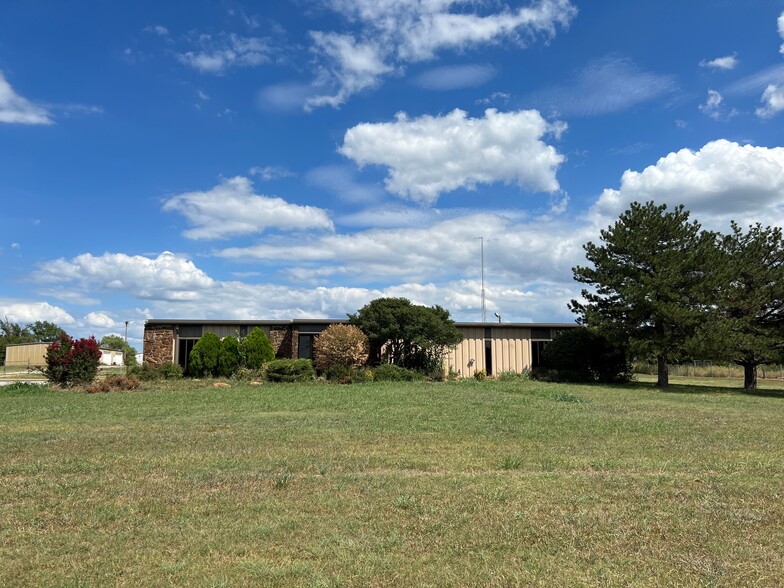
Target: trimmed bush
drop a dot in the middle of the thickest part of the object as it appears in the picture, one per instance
(229, 357)
(72, 361)
(256, 349)
(290, 370)
(341, 346)
(388, 372)
(203, 360)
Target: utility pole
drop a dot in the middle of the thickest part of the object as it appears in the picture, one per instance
(126, 331)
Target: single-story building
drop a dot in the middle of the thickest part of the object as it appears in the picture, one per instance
(30, 355)
(493, 347)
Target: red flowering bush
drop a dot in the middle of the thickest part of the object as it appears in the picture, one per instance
(72, 361)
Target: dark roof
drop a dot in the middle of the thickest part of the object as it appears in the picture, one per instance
(316, 321)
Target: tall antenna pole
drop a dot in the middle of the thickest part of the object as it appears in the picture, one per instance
(484, 309)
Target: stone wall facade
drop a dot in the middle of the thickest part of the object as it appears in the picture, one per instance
(280, 336)
(159, 344)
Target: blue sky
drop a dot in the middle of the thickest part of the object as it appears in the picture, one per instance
(295, 158)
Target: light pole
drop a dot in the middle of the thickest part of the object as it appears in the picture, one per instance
(498, 316)
(126, 331)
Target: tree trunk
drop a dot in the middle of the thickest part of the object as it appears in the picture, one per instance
(749, 376)
(663, 379)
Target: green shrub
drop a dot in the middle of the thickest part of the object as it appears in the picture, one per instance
(388, 372)
(290, 370)
(228, 357)
(150, 372)
(203, 360)
(256, 349)
(71, 362)
(170, 370)
(480, 375)
(583, 355)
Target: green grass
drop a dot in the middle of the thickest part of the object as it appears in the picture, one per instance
(404, 484)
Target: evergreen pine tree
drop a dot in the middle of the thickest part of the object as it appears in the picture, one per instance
(650, 282)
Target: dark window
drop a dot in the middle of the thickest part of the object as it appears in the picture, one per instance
(488, 333)
(489, 358)
(305, 347)
(243, 331)
(540, 333)
(536, 352)
(190, 331)
(311, 327)
(186, 346)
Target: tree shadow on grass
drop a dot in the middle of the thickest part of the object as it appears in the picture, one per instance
(676, 388)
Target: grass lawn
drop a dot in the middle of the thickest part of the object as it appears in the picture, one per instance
(414, 484)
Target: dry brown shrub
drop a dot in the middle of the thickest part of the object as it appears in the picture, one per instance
(341, 346)
(113, 384)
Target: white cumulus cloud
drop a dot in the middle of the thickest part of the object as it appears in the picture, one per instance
(17, 109)
(30, 312)
(165, 277)
(721, 181)
(232, 208)
(99, 320)
(429, 155)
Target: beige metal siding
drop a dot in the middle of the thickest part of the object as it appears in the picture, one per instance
(471, 347)
(511, 349)
(26, 355)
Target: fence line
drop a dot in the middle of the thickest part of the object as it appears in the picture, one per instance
(708, 369)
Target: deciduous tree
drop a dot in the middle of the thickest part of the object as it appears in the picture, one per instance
(406, 334)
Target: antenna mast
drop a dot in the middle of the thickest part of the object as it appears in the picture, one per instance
(484, 309)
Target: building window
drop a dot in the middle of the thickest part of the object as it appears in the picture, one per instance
(190, 331)
(540, 333)
(489, 357)
(305, 346)
(536, 352)
(183, 353)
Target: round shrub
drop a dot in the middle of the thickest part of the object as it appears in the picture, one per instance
(257, 349)
(341, 346)
(72, 361)
(228, 357)
(203, 360)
